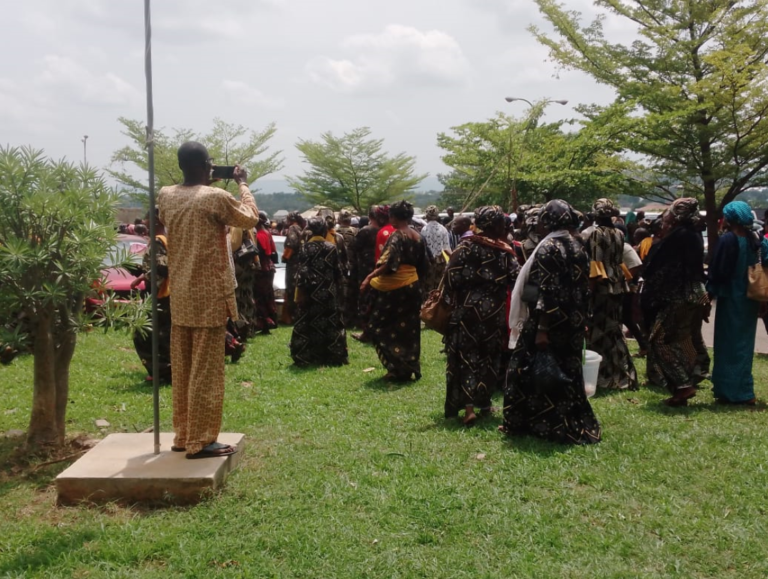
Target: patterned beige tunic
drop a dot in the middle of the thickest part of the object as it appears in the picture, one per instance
(199, 259)
(202, 281)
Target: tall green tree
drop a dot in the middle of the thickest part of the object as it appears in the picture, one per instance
(227, 144)
(353, 171)
(693, 83)
(56, 226)
(509, 161)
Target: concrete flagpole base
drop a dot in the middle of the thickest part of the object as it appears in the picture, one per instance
(123, 468)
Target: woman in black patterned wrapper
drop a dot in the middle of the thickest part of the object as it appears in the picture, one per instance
(608, 283)
(245, 274)
(478, 276)
(675, 297)
(318, 336)
(548, 312)
(395, 286)
(264, 278)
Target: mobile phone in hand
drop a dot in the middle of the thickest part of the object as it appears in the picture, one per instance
(222, 172)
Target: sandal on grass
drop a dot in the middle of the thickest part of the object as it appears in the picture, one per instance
(681, 396)
(213, 450)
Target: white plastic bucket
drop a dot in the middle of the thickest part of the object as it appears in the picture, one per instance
(591, 369)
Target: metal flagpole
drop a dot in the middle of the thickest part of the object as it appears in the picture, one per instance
(153, 256)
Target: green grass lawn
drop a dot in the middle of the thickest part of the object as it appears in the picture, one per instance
(346, 476)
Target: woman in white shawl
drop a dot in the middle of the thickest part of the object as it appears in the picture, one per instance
(548, 312)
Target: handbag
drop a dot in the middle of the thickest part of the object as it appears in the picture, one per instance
(247, 252)
(757, 281)
(437, 309)
(546, 374)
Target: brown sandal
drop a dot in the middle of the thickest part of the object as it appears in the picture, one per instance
(681, 397)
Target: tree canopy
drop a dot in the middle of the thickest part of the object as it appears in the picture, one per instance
(509, 161)
(227, 144)
(691, 88)
(56, 227)
(353, 171)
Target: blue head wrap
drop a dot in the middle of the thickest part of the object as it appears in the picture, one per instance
(738, 213)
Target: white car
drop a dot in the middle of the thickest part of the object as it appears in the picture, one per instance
(279, 283)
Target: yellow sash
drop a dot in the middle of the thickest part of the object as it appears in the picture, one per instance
(405, 275)
(596, 269)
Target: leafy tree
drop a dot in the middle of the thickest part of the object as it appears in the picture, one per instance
(226, 143)
(56, 225)
(510, 161)
(691, 88)
(352, 171)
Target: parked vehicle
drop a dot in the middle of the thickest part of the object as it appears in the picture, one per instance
(117, 280)
(279, 282)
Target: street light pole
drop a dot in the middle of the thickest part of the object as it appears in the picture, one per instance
(85, 155)
(513, 200)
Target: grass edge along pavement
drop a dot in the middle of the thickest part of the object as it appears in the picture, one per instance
(347, 476)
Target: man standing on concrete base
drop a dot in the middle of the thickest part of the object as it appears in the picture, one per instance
(202, 282)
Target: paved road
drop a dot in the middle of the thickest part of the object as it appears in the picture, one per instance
(761, 341)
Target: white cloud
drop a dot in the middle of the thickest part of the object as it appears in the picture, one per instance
(245, 94)
(80, 84)
(400, 55)
(22, 107)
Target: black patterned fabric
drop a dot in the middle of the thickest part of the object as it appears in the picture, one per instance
(675, 299)
(488, 216)
(561, 271)
(617, 370)
(292, 242)
(349, 288)
(364, 262)
(558, 214)
(143, 343)
(606, 247)
(605, 208)
(479, 278)
(318, 336)
(394, 325)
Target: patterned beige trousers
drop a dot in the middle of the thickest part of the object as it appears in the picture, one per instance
(197, 360)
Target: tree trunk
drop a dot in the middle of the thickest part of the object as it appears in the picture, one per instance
(63, 359)
(713, 217)
(44, 429)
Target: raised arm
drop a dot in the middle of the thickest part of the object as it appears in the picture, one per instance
(242, 213)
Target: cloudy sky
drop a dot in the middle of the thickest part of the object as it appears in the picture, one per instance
(406, 68)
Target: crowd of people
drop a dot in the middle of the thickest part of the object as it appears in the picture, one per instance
(530, 292)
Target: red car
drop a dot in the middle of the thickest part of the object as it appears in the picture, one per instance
(117, 280)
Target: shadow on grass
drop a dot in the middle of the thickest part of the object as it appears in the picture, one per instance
(388, 385)
(138, 382)
(532, 445)
(46, 551)
(483, 423)
(697, 408)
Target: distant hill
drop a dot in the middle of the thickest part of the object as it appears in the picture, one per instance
(270, 186)
(274, 202)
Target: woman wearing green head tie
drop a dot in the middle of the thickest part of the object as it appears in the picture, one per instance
(736, 317)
